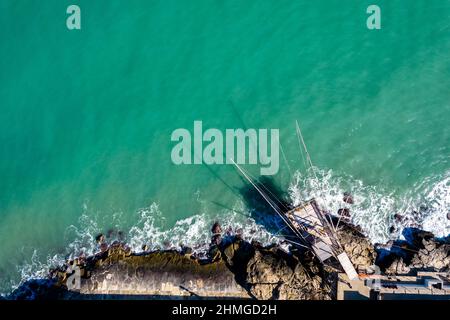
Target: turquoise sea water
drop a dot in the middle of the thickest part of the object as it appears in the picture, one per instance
(86, 116)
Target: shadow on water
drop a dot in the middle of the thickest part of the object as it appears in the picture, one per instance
(260, 210)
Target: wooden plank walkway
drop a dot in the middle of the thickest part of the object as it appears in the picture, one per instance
(310, 222)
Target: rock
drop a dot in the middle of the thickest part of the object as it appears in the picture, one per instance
(448, 215)
(229, 252)
(158, 273)
(271, 276)
(216, 239)
(216, 228)
(186, 250)
(422, 252)
(348, 198)
(238, 253)
(359, 249)
(100, 238)
(344, 212)
(429, 245)
(264, 267)
(103, 247)
(214, 253)
(265, 273)
(263, 291)
(416, 237)
(38, 289)
(398, 266)
(236, 268)
(229, 231)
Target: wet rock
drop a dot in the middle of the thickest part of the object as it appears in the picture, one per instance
(214, 253)
(421, 252)
(103, 247)
(38, 289)
(164, 273)
(216, 239)
(239, 233)
(416, 237)
(348, 198)
(186, 250)
(216, 228)
(344, 212)
(100, 238)
(229, 231)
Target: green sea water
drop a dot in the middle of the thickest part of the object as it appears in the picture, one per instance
(86, 115)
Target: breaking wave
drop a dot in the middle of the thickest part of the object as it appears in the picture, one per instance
(374, 209)
(194, 231)
(381, 214)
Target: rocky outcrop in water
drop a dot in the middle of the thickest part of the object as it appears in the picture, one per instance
(269, 277)
(421, 251)
(118, 272)
(359, 249)
(235, 268)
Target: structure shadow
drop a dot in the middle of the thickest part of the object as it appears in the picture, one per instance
(260, 210)
(405, 249)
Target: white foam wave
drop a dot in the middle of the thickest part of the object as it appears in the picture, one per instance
(193, 231)
(374, 208)
(438, 200)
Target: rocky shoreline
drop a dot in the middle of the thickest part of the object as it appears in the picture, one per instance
(233, 268)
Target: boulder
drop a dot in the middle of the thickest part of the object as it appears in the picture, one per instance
(348, 198)
(344, 212)
(421, 252)
(216, 228)
(358, 248)
(271, 276)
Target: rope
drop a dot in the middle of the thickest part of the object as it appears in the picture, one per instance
(274, 207)
(308, 157)
(285, 160)
(300, 144)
